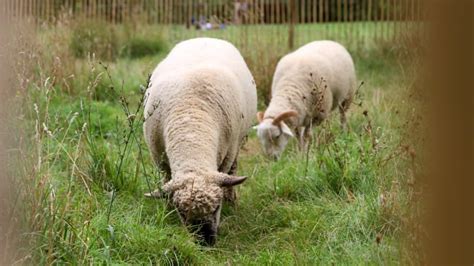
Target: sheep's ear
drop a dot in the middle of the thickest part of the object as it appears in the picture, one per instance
(286, 130)
(172, 185)
(260, 117)
(229, 180)
(283, 116)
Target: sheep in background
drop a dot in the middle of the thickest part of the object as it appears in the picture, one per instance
(199, 108)
(308, 83)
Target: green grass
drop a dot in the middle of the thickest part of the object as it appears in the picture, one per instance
(342, 203)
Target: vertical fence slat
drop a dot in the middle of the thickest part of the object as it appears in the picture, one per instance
(28, 9)
(12, 9)
(326, 7)
(19, 9)
(320, 16)
(349, 21)
(170, 12)
(376, 19)
(291, 33)
(345, 18)
(8, 12)
(388, 21)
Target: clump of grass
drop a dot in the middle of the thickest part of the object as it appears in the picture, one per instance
(141, 46)
(100, 39)
(262, 62)
(94, 37)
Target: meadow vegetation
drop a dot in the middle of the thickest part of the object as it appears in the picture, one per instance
(83, 166)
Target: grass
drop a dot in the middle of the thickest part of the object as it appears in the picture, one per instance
(108, 42)
(88, 167)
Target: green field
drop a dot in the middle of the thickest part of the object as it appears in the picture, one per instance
(86, 168)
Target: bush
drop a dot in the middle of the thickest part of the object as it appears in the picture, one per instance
(140, 46)
(94, 37)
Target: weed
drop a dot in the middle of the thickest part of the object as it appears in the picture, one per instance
(94, 38)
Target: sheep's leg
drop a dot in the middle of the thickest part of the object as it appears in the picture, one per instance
(342, 110)
(166, 170)
(307, 137)
(343, 119)
(299, 134)
(229, 192)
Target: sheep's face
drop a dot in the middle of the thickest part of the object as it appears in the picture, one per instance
(199, 201)
(273, 133)
(273, 138)
(199, 206)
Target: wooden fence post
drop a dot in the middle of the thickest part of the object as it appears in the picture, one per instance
(291, 30)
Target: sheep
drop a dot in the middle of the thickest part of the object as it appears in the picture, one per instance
(308, 83)
(199, 108)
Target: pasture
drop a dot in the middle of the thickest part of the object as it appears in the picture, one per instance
(84, 166)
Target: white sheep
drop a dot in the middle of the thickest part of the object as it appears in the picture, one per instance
(199, 107)
(308, 83)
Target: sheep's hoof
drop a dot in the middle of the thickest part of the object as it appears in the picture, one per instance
(155, 194)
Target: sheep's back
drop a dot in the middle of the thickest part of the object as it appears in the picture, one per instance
(204, 52)
(196, 60)
(316, 60)
(203, 73)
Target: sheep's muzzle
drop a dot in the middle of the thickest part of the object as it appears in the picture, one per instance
(206, 232)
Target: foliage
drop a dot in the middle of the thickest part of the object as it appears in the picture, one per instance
(140, 46)
(97, 38)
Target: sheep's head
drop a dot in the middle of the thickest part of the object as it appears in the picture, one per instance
(198, 200)
(274, 133)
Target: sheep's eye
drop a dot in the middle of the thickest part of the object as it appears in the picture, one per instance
(273, 138)
(280, 133)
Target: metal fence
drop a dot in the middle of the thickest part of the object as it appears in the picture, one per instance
(289, 21)
(225, 11)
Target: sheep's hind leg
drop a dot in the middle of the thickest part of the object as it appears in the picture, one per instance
(229, 192)
(342, 110)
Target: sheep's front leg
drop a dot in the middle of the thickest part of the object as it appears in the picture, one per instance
(307, 137)
(229, 192)
(166, 170)
(304, 135)
(300, 135)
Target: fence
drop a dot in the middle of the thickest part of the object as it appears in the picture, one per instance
(234, 11)
(292, 22)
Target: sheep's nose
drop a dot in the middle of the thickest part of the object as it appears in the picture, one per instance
(206, 234)
(209, 240)
(275, 157)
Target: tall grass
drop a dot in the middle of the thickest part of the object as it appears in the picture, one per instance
(85, 168)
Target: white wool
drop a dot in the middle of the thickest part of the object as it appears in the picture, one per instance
(324, 65)
(199, 107)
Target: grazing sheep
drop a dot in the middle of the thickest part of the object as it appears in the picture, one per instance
(308, 83)
(199, 107)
